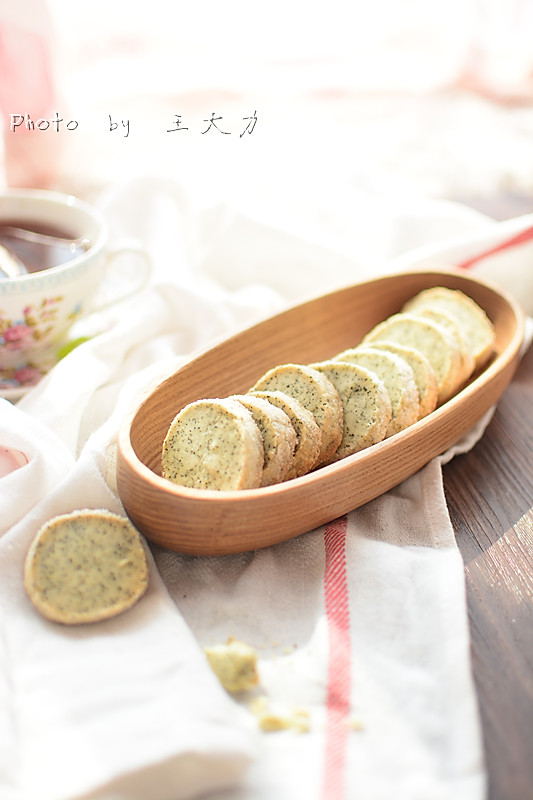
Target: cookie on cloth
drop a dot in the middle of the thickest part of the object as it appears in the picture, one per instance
(235, 665)
(85, 566)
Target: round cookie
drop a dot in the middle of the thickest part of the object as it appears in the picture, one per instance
(475, 323)
(433, 341)
(213, 444)
(399, 382)
(444, 318)
(366, 405)
(424, 376)
(316, 393)
(308, 435)
(85, 566)
(278, 434)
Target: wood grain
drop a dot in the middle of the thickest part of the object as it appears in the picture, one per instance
(490, 494)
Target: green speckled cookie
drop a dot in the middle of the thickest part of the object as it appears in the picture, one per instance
(315, 393)
(85, 566)
(213, 444)
(365, 402)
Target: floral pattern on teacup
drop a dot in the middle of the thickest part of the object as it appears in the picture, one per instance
(25, 339)
(35, 324)
(23, 376)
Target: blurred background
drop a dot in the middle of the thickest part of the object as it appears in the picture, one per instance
(300, 108)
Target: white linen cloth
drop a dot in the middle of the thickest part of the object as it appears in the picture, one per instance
(361, 623)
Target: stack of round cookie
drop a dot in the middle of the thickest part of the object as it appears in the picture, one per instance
(298, 417)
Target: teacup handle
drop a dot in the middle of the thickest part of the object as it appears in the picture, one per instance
(125, 288)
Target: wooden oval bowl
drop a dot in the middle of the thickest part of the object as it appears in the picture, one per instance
(206, 522)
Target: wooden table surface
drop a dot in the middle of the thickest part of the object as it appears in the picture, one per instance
(490, 497)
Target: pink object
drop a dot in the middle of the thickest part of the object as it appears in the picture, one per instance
(27, 88)
(10, 460)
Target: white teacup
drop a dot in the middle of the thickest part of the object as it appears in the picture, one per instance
(38, 309)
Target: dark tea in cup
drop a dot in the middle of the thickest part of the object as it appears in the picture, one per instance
(40, 246)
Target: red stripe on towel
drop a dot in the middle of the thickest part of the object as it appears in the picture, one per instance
(339, 664)
(520, 238)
